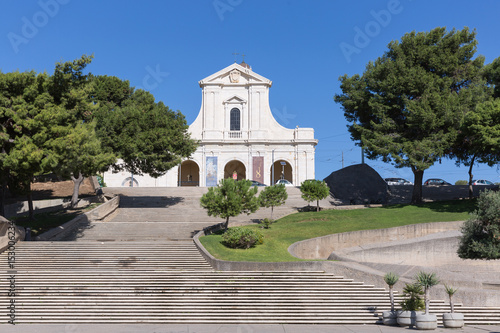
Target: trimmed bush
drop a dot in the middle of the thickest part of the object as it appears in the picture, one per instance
(461, 182)
(242, 238)
(266, 223)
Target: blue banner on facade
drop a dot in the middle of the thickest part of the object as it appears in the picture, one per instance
(211, 171)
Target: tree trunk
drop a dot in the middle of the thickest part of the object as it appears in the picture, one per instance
(227, 223)
(471, 190)
(427, 301)
(76, 189)
(391, 297)
(416, 197)
(272, 209)
(30, 202)
(452, 305)
(317, 205)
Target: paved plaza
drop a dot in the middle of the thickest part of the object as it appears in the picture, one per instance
(136, 328)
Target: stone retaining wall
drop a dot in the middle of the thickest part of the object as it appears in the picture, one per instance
(429, 250)
(322, 247)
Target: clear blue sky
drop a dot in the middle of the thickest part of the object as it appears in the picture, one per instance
(296, 44)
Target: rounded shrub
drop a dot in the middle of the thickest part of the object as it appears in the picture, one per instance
(242, 238)
(481, 232)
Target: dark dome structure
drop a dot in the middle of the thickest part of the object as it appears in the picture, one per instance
(358, 184)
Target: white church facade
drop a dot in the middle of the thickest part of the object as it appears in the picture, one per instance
(238, 137)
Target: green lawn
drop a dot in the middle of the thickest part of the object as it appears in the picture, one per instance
(300, 226)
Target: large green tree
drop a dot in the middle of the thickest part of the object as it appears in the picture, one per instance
(408, 105)
(148, 137)
(230, 198)
(23, 101)
(478, 138)
(75, 150)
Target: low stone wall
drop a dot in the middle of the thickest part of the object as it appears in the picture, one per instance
(402, 193)
(9, 232)
(40, 206)
(67, 228)
(322, 247)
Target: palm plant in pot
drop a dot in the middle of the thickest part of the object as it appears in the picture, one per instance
(411, 303)
(426, 321)
(390, 317)
(452, 319)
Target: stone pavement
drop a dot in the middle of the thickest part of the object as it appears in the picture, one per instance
(133, 328)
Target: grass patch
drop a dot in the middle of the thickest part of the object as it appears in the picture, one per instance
(300, 226)
(46, 221)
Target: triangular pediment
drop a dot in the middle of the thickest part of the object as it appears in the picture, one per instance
(235, 74)
(235, 100)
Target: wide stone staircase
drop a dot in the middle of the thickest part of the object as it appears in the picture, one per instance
(169, 282)
(141, 266)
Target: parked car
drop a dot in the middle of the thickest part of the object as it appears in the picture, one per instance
(283, 181)
(436, 182)
(256, 183)
(397, 181)
(482, 182)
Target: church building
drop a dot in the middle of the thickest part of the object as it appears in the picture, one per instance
(239, 138)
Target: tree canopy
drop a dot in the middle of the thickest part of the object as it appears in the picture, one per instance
(75, 124)
(272, 196)
(230, 198)
(147, 136)
(24, 101)
(313, 189)
(408, 105)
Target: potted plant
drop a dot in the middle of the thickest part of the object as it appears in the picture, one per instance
(452, 319)
(410, 304)
(426, 321)
(390, 317)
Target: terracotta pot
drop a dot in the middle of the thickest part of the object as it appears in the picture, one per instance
(453, 320)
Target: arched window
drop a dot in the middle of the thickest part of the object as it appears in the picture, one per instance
(235, 119)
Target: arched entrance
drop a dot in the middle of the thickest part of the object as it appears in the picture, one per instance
(130, 182)
(235, 169)
(189, 174)
(282, 170)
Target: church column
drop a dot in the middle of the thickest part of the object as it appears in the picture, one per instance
(203, 108)
(250, 163)
(249, 109)
(203, 167)
(296, 162)
(225, 116)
